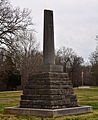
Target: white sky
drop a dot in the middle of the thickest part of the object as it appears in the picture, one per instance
(76, 22)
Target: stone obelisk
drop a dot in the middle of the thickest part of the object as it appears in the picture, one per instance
(48, 45)
(49, 92)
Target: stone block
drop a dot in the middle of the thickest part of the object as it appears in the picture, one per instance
(50, 68)
(52, 113)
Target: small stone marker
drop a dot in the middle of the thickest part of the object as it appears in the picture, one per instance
(49, 92)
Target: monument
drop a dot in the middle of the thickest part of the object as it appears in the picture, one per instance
(49, 91)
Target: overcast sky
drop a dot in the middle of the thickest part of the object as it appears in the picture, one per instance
(76, 22)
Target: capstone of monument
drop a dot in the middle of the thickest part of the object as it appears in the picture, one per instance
(49, 91)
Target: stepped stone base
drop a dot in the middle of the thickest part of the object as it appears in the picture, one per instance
(48, 94)
(48, 112)
(48, 90)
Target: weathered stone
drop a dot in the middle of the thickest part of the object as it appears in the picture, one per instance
(50, 68)
(50, 91)
(53, 75)
(47, 97)
(48, 112)
(48, 46)
(51, 85)
(47, 92)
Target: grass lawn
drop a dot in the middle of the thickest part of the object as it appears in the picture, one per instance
(85, 97)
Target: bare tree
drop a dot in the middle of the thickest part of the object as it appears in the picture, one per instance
(30, 57)
(94, 62)
(71, 62)
(12, 23)
(94, 57)
(17, 38)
